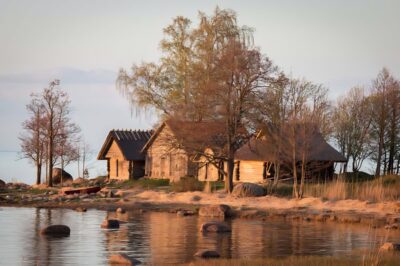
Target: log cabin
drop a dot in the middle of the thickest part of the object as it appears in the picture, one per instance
(122, 150)
(173, 150)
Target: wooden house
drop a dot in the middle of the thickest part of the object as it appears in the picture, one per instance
(173, 150)
(254, 161)
(122, 150)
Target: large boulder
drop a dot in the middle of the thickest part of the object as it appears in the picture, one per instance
(215, 227)
(248, 190)
(220, 211)
(66, 177)
(2, 184)
(56, 230)
(122, 259)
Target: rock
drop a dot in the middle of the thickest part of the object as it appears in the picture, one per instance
(393, 219)
(217, 227)
(220, 210)
(122, 259)
(120, 193)
(207, 254)
(248, 190)
(195, 198)
(2, 184)
(66, 177)
(110, 194)
(120, 210)
(81, 209)
(322, 217)
(110, 224)
(56, 230)
(390, 246)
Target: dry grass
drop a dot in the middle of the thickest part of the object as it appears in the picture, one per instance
(385, 188)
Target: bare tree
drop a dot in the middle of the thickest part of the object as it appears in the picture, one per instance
(32, 143)
(49, 133)
(352, 124)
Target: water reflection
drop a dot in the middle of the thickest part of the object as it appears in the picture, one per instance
(162, 238)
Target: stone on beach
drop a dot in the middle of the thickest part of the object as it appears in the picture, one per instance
(207, 254)
(66, 177)
(220, 210)
(110, 224)
(216, 227)
(56, 230)
(248, 190)
(122, 259)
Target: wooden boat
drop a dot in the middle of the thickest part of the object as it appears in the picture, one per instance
(81, 190)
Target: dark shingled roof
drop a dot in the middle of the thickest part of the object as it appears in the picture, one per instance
(263, 149)
(130, 143)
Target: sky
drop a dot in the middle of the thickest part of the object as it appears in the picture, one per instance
(340, 44)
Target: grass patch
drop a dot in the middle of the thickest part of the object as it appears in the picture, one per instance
(187, 183)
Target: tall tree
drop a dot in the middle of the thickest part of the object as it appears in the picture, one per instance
(32, 142)
(210, 72)
(51, 131)
(380, 114)
(352, 124)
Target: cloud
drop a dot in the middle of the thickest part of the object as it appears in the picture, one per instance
(67, 75)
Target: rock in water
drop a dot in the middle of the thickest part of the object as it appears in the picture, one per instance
(248, 190)
(81, 209)
(220, 210)
(110, 224)
(56, 230)
(121, 259)
(66, 177)
(389, 246)
(207, 254)
(216, 227)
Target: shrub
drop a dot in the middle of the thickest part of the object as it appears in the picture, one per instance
(187, 183)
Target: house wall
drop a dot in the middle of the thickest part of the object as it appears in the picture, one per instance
(250, 171)
(116, 157)
(164, 162)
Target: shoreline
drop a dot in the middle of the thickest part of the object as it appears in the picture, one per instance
(375, 215)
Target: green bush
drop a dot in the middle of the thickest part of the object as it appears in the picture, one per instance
(187, 183)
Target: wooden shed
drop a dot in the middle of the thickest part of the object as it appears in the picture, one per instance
(122, 150)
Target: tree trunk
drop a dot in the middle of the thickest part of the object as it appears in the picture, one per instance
(38, 173)
(379, 158)
(229, 179)
(50, 153)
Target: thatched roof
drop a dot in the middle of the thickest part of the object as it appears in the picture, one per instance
(130, 142)
(266, 149)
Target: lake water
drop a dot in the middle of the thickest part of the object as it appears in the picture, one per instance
(164, 238)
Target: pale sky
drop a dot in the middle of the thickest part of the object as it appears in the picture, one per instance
(340, 44)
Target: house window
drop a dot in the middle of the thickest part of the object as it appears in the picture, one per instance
(116, 167)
